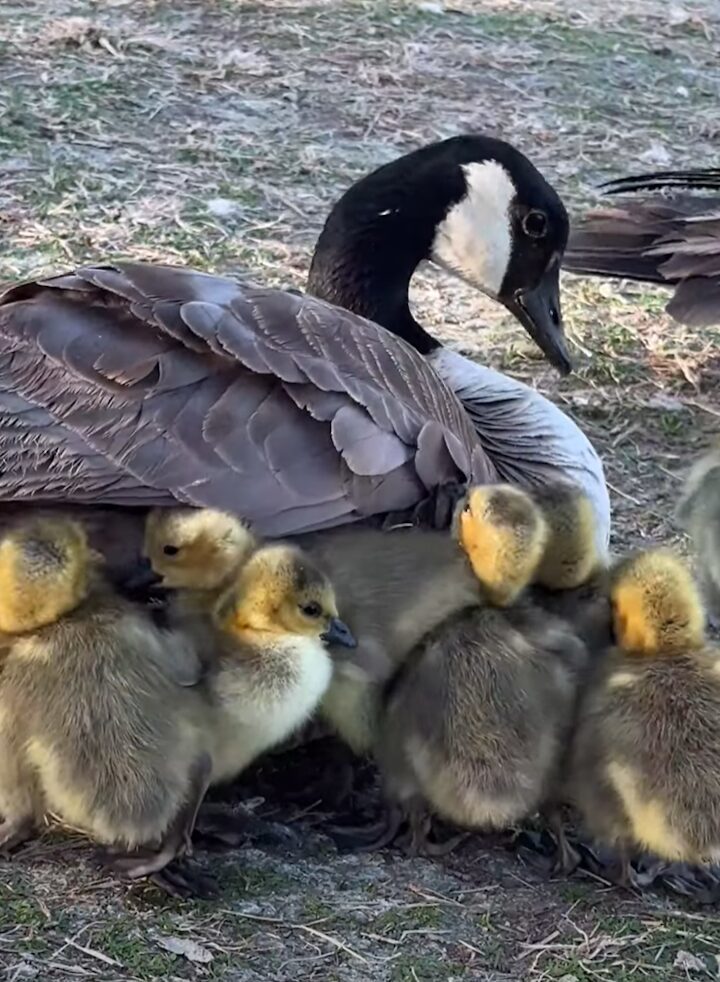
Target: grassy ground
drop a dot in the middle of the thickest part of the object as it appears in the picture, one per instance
(217, 134)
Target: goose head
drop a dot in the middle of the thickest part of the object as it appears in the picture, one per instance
(472, 204)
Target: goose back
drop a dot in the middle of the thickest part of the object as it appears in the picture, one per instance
(138, 385)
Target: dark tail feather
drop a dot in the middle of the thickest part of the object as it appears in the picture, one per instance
(690, 179)
(615, 242)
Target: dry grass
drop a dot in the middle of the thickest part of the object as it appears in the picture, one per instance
(217, 133)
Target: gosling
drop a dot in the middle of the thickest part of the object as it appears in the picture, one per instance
(645, 772)
(94, 726)
(474, 723)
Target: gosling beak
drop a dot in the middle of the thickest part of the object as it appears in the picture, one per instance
(339, 633)
(141, 576)
(538, 310)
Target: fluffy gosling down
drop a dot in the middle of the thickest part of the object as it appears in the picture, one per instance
(475, 721)
(645, 771)
(571, 579)
(85, 731)
(268, 613)
(699, 513)
(263, 617)
(393, 588)
(504, 536)
(275, 622)
(196, 551)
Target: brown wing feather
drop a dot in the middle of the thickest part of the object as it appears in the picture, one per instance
(141, 384)
(669, 240)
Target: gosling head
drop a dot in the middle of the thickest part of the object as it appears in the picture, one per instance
(571, 556)
(656, 605)
(45, 569)
(503, 533)
(280, 591)
(195, 548)
(472, 204)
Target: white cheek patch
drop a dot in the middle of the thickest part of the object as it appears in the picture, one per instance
(474, 240)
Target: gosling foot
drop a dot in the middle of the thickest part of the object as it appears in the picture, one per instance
(616, 868)
(175, 877)
(13, 833)
(373, 837)
(181, 881)
(700, 883)
(417, 842)
(137, 864)
(567, 859)
(217, 827)
(388, 831)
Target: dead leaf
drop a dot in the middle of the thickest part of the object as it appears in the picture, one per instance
(660, 400)
(185, 948)
(21, 970)
(689, 962)
(221, 207)
(244, 60)
(677, 16)
(656, 155)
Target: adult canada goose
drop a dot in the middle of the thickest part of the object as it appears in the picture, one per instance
(477, 207)
(136, 385)
(673, 240)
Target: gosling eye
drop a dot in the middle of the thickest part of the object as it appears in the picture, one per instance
(311, 610)
(171, 550)
(535, 224)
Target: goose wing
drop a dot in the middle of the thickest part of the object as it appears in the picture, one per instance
(672, 240)
(136, 384)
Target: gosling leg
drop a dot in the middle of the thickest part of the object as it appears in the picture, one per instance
(417, 842)
(622, 873)
(141, 864)
(567, 858)
(14, 832)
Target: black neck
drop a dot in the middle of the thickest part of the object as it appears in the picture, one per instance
(344, 274)
(366, 268)
(378, 233)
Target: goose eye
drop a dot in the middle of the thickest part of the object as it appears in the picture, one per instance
(311, 610)
(171, 550)
(535, 224)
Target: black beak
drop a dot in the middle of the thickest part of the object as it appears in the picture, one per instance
(538, 310)
(339, 633)
(140, 576)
